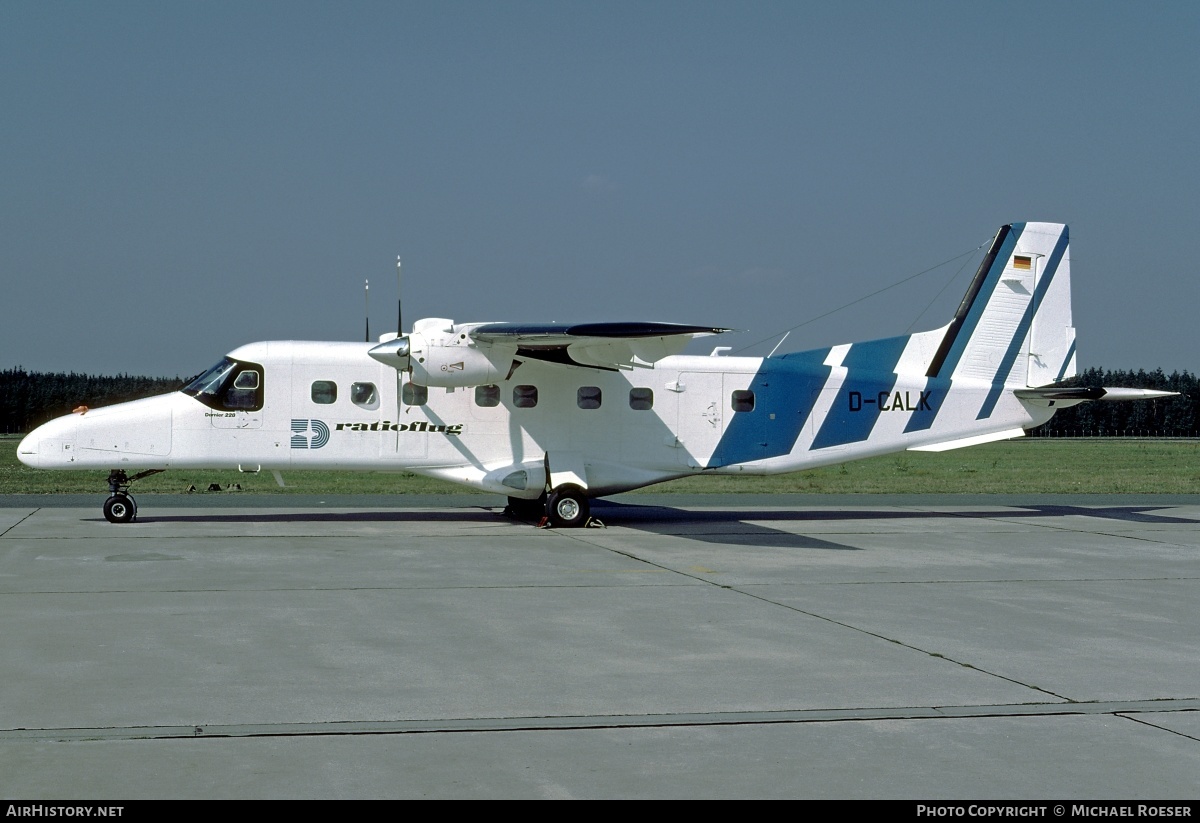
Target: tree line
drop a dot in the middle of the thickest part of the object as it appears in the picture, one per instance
(28, 399)
(1165, 417)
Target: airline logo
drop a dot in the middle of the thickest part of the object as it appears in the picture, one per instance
(389, 426)
(309, 434)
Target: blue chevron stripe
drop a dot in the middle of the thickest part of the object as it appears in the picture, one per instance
(1066, 363)
(870, 371)
(1014, 345)
(785, 391)
(922, 419)
(991, 280)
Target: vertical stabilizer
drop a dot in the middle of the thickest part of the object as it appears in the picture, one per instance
(1014, 326)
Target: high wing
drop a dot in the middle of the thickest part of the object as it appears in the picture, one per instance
(596, 345)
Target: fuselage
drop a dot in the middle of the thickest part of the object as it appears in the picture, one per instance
(287, 405)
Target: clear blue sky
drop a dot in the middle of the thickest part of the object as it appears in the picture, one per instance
(181, 178)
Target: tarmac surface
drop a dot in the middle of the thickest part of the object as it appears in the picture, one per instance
(754, 646)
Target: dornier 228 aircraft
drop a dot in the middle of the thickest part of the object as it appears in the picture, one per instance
(552, 415)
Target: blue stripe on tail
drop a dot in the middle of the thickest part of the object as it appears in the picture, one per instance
(1014, 345)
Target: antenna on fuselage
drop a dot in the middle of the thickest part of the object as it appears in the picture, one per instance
(399, 300)
(367, 309)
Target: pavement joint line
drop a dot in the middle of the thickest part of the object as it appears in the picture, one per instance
(19, 522)
(1144, 722)
(900, 643)
(1122, 709)
(815, 616)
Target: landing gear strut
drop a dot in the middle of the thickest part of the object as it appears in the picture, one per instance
(120, 507)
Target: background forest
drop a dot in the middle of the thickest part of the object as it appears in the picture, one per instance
(28, 399)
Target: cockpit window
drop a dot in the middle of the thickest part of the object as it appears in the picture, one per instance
(230, 385)
(246, 380)
(209, 382)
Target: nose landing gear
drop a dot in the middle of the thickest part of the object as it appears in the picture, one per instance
(120, 507)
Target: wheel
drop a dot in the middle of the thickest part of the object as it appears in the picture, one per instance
(567, 507)
(523, 509)
(120, 508)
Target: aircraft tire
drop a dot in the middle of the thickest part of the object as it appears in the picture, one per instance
(567, 507)
(120, 508)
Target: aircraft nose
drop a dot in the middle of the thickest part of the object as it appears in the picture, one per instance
(27, 449)
(50, 445)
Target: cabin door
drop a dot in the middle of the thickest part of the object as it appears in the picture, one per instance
(701, 420)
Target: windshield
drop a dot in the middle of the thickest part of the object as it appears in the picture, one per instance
(230, 385)
(211, 382)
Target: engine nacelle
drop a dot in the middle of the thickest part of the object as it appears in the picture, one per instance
(457, 364)
(439, 354)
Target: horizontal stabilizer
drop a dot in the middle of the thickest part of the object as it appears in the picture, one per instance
(1080, 393)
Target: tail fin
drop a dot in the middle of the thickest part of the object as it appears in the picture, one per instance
(1014, 326)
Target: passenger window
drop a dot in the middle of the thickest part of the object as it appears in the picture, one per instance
(487, 396)
(641, 399)
(364, 395)
(414, 395)
(743, 401)
(588, 397)
(324, 392)
(525, 397)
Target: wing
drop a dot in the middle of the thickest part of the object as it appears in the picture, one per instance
(595, 345)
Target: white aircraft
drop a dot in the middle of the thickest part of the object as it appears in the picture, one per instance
(552, 415)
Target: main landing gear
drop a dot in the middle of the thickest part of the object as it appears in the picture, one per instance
(120, 507)
(567, 507)
(563, 508)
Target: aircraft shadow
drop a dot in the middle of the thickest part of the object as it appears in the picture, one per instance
(1133, 514)
(722, 526)
(729, 526)
(395, 516)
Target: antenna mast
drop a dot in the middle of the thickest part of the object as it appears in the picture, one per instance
(399, 300)
(367, 309)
